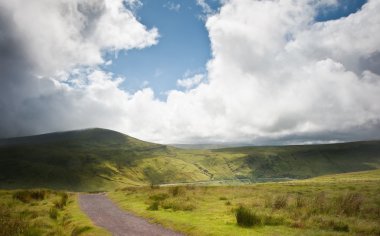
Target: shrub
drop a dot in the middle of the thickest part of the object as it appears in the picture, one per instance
(228, 203)
(153, 206)
(246, 217)
(280, 202)
(222, 198)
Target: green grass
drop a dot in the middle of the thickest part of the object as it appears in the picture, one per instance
(43, 212)
(344, 204)
(336, 203)
(98, 159)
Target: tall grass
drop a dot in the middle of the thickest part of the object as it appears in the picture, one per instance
(280, 201)
(27, 196)
(10, 223)
(350, 203)
(60, 204)
(246, 217)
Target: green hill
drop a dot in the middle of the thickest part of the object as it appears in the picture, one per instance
(99, 159)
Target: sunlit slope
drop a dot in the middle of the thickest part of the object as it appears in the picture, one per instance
(92, 159)
(307, 160)
(99, 159)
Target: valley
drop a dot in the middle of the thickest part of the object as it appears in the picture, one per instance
(330, 189)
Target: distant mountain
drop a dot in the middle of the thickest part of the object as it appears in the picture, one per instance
(100, 159)
(208, 145)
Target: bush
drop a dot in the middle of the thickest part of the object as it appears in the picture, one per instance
(280, 202)
(246, 217)
(222, 198)
(153, 206)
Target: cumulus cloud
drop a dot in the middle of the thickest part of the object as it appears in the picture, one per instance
(190, 81)
(276, 75)
(45, 47)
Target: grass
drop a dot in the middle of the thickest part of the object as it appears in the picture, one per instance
(98, 160)
(43, 212)
(344, 204)
(247, 217)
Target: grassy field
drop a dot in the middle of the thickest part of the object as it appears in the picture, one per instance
(343, 204)
(43, 212)
(98, 159)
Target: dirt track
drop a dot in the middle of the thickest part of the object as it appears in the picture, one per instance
(104, 213)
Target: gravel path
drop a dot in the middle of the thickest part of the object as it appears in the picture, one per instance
(104, 213)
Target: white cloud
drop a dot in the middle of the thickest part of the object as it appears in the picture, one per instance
(275, 74)
(205, 7)
(59, 35)
(190, 82)
(172, 6)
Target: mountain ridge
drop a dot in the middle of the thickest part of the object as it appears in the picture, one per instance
(100, 159)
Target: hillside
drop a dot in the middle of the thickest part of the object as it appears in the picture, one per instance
(85, 159)
(99, 159)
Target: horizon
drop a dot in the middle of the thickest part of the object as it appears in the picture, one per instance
(217, 145)
(193, 72)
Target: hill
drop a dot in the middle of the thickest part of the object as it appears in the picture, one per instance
(99, 159)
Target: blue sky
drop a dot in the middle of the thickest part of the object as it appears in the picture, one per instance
(344, 8)
(184, 46)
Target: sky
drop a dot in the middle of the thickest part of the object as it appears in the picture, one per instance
(183, 49)
(194, 71)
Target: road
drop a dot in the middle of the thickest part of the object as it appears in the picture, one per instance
(104, 213)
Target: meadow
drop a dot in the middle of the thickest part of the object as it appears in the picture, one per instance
(343, 204)
(197, 192)
(43, 212)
